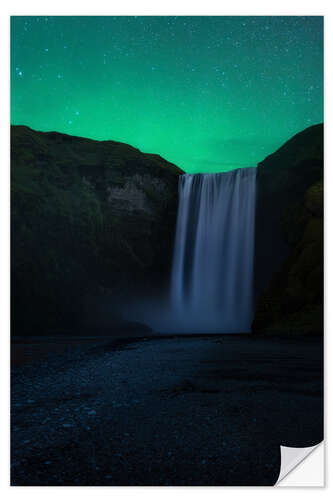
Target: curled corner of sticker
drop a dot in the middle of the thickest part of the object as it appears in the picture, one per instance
(292, 458)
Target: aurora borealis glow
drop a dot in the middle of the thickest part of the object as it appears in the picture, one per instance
(207, 93)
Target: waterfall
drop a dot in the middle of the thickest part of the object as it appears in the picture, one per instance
(212, 272)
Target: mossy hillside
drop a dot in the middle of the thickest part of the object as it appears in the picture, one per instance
(293, 303)
(282, 180)
(71, 238)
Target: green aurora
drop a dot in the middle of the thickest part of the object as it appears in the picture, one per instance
(207, 93)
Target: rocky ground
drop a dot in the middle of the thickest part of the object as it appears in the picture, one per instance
(177, 410)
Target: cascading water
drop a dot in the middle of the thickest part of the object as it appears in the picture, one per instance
(212, 273)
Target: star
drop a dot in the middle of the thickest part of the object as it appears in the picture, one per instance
(261, 65)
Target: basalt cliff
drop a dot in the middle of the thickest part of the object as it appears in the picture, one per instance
(92, 222)
(289, 237)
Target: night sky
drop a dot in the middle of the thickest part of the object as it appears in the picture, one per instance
(207, 93)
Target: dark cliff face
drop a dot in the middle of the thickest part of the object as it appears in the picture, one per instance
(289, 237)
(89, 218)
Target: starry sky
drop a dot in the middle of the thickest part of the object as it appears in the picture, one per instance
(207, 93)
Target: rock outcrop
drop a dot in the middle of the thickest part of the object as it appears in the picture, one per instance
(289, 237)
(89, 218)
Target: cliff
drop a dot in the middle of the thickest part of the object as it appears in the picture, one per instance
(289, 237)
(89, 218)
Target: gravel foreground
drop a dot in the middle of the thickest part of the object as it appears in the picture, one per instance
(178, 410)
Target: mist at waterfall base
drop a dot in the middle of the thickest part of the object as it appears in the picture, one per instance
(211, 289)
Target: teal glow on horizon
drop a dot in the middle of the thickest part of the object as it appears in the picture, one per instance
(207, 93)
